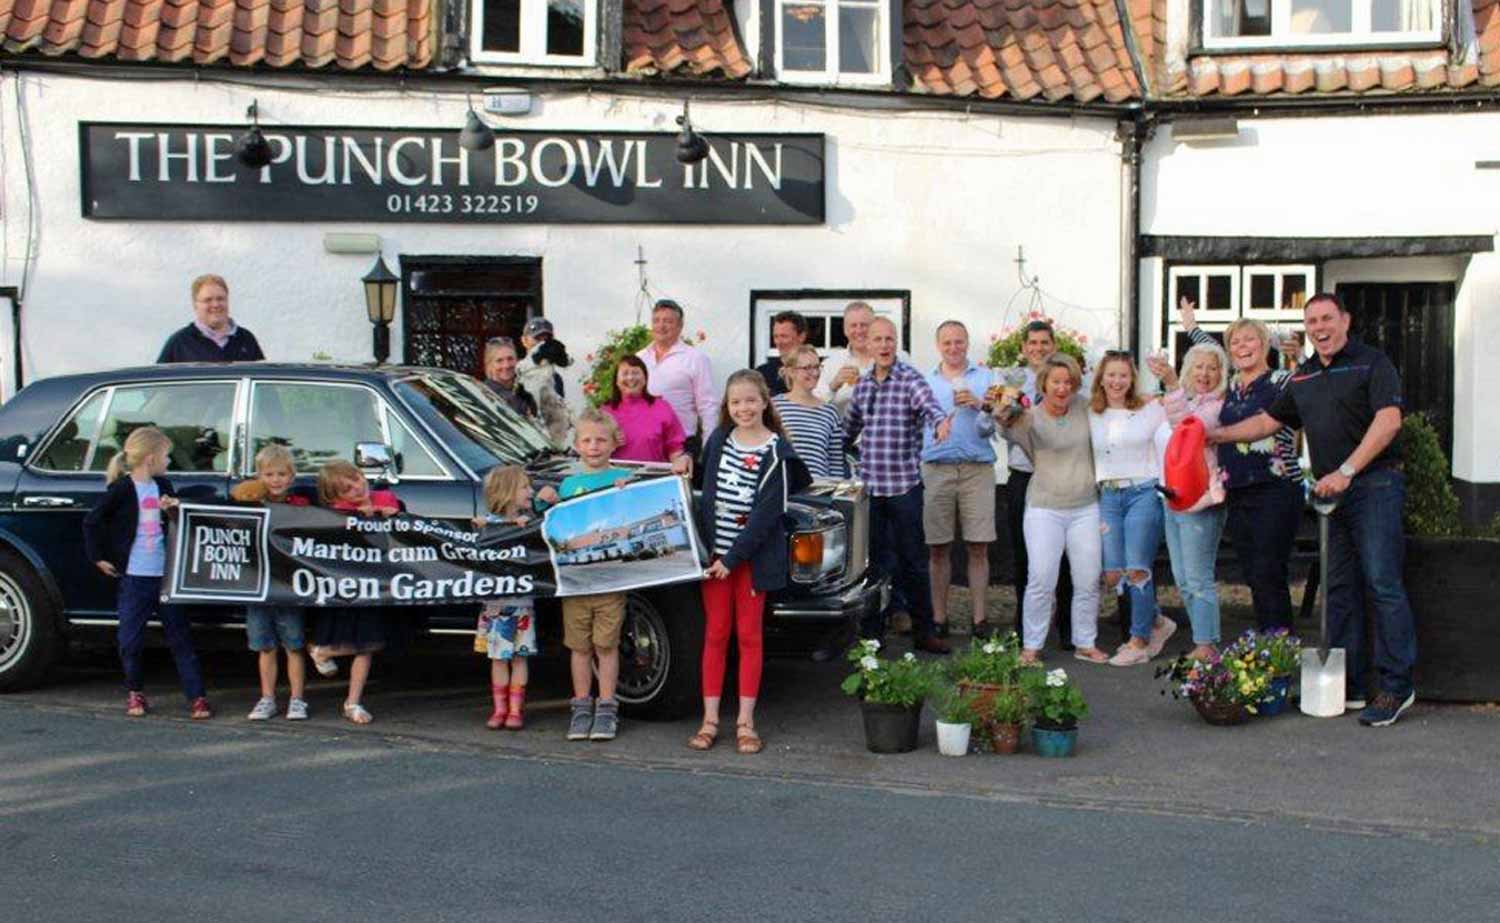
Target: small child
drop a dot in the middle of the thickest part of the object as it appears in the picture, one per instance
(591, 624)
(265, 625)
(507, 629)
(124, 538)
(352, 630)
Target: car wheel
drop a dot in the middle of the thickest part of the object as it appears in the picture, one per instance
(29, 638)
(661, 645)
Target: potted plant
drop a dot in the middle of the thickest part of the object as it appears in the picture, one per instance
(1009, 707)
(1280, 652)
(955, 721)
(1056, 705)
(986, 667)
(891, 693)
(1226, 687)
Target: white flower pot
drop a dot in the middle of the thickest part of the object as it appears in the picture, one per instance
(953, 739)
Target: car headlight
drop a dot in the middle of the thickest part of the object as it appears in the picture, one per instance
(819, 554)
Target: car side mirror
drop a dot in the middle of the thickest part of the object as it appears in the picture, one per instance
(376, 457)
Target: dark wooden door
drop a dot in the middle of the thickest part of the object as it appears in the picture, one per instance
(1412, 322)
(452, 305)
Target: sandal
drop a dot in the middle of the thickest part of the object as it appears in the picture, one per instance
(746, 741)
(1090, 655)
(357, 714)
(1030, 658)
(704, 739)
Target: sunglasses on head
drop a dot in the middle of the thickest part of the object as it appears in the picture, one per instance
(500, 341)
(1117, 354)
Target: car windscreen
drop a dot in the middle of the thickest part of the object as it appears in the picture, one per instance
(475, 424)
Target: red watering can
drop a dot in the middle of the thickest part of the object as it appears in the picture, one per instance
(1185, 471)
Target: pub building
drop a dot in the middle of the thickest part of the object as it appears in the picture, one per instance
(938, 159)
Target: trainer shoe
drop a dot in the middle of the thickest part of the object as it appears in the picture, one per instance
(200, 710)
(606, 720)
(135, 704)
(1128, 656)
(296, 710)
(582, 721)
(264, 710)
(1386, 708)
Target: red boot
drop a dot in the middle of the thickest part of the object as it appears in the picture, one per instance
(516, 719)
(497, 719)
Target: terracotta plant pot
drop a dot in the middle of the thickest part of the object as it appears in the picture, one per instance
(980, 695)
(1220, 713)
(890, 728)
(1004, 738)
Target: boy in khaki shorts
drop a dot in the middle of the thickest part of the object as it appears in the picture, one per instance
(591, 624)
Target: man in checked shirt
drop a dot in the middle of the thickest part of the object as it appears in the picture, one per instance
(892, 405)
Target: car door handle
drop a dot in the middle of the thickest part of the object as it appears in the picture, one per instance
(49, 502)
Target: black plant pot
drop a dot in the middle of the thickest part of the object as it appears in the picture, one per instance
(891, 728)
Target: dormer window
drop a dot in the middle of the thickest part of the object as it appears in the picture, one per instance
(833, 41)
(1323, 23)
(550, 32)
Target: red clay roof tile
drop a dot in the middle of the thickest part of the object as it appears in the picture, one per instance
(693, 37)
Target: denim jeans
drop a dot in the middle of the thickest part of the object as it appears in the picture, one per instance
(1015, 518)
(1048, 534)
(899, 547)
(1131, 520)
(138, 600)
(1366, 551)
(1193, 543)
(1263, 521)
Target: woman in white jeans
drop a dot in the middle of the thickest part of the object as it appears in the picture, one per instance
(1062, 507)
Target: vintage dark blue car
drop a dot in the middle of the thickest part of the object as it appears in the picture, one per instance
(431, 433)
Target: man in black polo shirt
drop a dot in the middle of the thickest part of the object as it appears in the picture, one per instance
(213, 335)
(788, 332)
(1347, 398)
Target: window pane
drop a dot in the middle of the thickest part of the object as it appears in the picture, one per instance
(1403, 16)
(859, 39)
(817, 331)
(1182, 342)
(803, 38)
(317, 422)
(565, 27)
(411, 459)
(1220, 294)
(1241, 17)
(1320, 17)
(195, 417)
(69, 449)
(1262, 291)
(502, 25)
(1187, 287)
(1293, 292)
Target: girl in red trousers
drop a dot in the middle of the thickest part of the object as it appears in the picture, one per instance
(749, 471)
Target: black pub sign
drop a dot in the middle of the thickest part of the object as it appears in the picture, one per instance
(189, 172)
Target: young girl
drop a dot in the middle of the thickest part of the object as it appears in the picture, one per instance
(352, 630)
(124, 538)
(506, 626)
(749, 470)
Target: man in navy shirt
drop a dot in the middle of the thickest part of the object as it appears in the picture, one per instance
(213, 335)
(1347, 398)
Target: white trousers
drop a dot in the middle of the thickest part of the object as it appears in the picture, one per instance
(1048, 533)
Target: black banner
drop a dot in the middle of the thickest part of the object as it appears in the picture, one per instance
(189, 172)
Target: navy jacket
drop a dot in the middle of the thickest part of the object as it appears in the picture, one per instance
(190, 345)
(109, 528)
(763, 540)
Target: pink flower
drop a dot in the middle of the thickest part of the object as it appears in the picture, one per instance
(1084, 339)
(1034, 315)
(702, 336)
(589, 358)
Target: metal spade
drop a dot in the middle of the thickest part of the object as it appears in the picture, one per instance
(1323, 669)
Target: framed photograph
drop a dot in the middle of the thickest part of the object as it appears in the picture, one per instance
(614, 540)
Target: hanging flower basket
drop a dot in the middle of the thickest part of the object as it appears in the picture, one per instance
(1006, 346)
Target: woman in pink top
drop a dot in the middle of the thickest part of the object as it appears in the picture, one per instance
(649, 428)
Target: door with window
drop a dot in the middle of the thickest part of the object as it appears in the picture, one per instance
(1412, 322)
(453, 305)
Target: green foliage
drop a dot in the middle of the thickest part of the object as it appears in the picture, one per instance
(907, 681)
(994, 662)
(1431, 505)
(955, 706)
(1005, 347)
(599, 386)
(1056, 701)
(1011, 704)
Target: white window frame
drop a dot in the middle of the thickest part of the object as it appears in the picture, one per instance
(1201, 273)
(1219, 321)
(830, 75)
(1359, 35)
(1281, 272)
(534, 37)
(820, 304)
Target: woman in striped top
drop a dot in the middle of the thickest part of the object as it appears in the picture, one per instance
(749, 471)
(813, 425)
(1263, 479)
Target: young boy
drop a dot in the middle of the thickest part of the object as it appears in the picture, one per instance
(265, 625)
(591, 624)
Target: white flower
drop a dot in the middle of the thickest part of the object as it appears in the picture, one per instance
(869, 663)
(872, 644)
(909, 656)
(990, 647)
(1058, 677)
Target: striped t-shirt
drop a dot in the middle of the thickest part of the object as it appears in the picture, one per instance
(734, 487)
(817, 434)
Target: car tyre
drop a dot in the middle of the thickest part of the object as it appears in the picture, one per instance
(661, 650)
(29, 636)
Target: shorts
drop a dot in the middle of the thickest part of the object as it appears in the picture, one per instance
(508, 628)
(593, 622)
(960, 494)
(266, 625)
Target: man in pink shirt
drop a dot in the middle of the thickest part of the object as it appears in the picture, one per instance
(680, 374)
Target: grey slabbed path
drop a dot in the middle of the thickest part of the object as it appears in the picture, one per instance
(103, 818)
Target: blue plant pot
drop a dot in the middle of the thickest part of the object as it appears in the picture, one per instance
(1051, 742)
(1275, 703)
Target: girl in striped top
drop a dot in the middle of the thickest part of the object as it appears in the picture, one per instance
(813, 425)
(749, 471)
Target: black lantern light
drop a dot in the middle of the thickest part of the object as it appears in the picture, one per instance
(252, 149)
(476, 136)
(380, 305)
(691, 148)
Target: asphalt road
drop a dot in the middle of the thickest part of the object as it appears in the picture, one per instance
(108, 818)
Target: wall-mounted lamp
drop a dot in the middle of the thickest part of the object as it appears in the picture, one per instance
(476, 136)
(380, 305)
(252, 149)
(691, 147)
